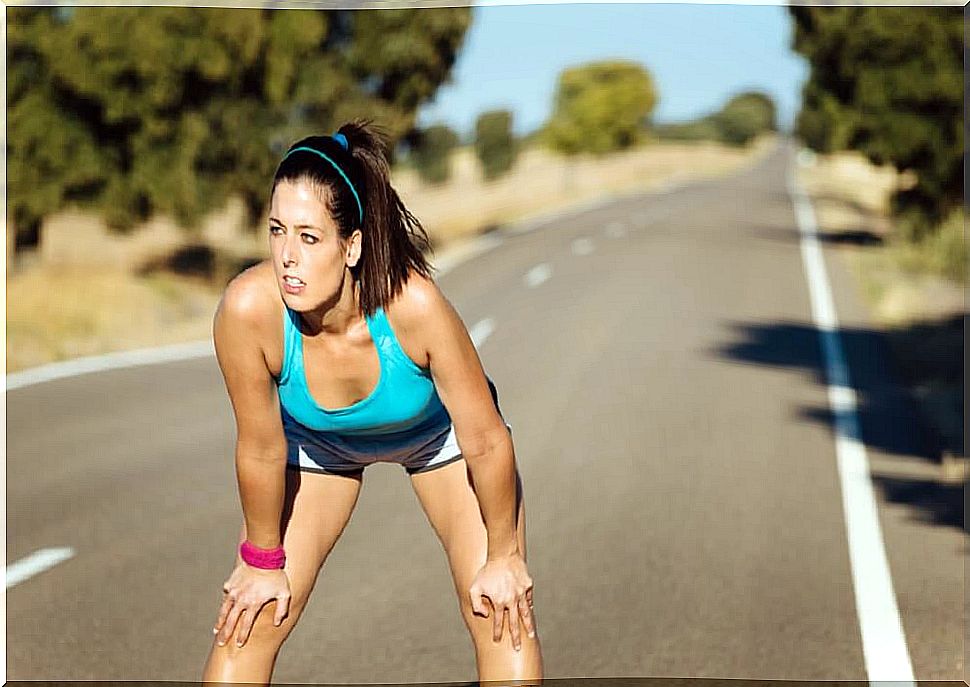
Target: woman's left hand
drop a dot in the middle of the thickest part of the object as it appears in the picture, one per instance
(506, 584)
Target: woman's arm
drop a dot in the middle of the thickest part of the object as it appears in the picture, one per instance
(481, 433)
(260, 442)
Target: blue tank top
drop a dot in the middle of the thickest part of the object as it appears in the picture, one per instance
(405, 395)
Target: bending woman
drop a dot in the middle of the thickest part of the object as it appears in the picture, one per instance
(340, 351)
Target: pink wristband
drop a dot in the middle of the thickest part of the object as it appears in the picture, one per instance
(268, 559)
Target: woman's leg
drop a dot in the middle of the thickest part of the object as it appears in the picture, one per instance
(316, 509)
(448, 499)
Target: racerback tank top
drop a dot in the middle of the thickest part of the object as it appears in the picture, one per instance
(405, 395)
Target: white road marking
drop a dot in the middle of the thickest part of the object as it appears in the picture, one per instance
(883, 641)
(615, 230)
(582, 246)
(444, 262)
(538, 274)
(110, 361)
(35, 563)
(481, 331)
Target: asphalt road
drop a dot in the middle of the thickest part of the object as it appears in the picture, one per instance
(658, 362)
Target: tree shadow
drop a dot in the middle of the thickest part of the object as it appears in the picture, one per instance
(848, 237)
(930, 501)
(892, 418)
(199, 261)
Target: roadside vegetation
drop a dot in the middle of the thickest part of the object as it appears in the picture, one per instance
(883, 111)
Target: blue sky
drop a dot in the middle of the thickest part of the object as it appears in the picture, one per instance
(698, 54)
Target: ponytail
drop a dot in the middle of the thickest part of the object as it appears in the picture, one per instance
(394, 241)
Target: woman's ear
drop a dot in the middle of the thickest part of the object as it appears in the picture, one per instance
(353, 248)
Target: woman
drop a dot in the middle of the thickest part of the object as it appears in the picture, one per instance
(340, 351)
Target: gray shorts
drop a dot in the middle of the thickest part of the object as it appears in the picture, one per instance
(420, 450)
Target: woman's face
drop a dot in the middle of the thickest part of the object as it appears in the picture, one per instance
(304, 243)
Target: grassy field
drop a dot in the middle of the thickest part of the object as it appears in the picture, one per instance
(915, 293)
(58, 313)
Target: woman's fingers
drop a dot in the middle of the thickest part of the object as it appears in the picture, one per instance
(226, 632)
(479, 606)
(227, 603)
(514, 628)
(282, 608)
(245, 625)
(528, 618)
(498, 618)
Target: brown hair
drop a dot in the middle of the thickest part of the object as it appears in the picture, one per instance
(394, 241)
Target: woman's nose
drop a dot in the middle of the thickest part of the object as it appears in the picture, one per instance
(287, 252)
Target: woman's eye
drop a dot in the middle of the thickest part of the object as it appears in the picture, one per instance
(272, 229)
(310, 236)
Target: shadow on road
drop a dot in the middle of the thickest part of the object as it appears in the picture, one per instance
(892, 418)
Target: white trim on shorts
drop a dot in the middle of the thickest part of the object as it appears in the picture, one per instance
(329, 453)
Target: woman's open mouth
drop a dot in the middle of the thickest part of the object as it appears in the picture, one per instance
(293, 285)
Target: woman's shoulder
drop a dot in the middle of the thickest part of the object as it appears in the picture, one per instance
(416, 301)
(251, 294)
(251, 300)
(409, 312)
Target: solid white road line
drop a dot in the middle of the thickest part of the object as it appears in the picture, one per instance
(35, 563)
(883, 641)
(615, 230)
(445, 262)
(481, 331)
(110, 361)
(582, 246)
(538, 274)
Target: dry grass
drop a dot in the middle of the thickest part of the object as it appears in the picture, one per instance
(851, 195)
(541, 181)
(57, 312)
(62, 313)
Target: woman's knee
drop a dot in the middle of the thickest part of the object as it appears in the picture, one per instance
(264, 635)
(481, 630)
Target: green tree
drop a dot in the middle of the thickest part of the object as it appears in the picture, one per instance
(600, 107)
(495, 143)
(888, 82)
(743, 117)
(175, 108)
(431, 153)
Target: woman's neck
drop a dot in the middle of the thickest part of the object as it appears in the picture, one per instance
(339, 316)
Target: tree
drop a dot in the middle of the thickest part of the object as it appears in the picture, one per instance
(600, 107)
(744, 116)
(888, 82)
(431, 154)
(175, 108)
(495, 143)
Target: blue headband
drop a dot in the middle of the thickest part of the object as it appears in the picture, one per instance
(342, 140)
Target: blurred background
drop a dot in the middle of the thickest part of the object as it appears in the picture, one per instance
(141, 143)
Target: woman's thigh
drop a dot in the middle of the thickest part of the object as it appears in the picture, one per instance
(316, 509)
(448, 499)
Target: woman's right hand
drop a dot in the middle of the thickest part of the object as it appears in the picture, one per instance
(248, 589)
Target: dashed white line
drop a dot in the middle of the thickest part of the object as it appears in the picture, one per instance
(883, 641)
(538, 274)
(481, 331)
(582, 246)
(36, 563)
